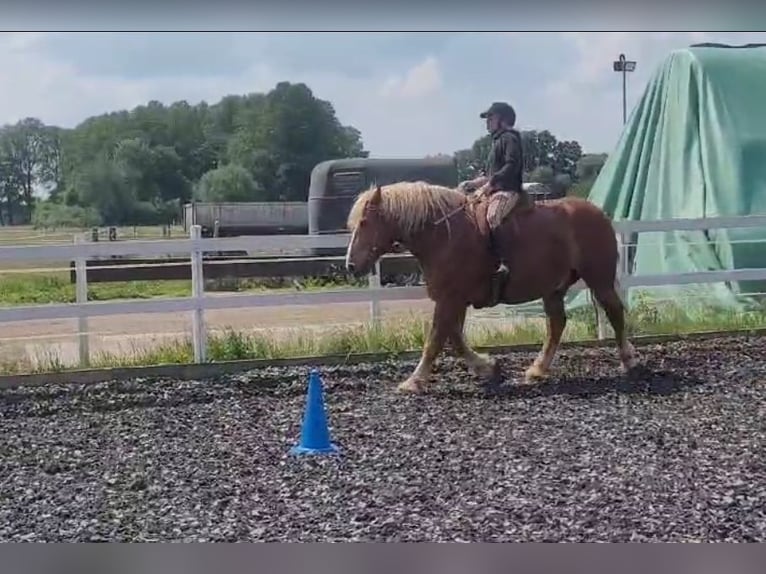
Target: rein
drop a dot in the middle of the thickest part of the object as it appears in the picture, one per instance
(471, 200)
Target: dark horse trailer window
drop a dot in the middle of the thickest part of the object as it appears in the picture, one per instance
(347, 182)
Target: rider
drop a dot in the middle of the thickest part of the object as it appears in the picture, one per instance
(503, 171)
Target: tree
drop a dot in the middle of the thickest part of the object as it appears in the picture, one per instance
(588, 168)
(228, 183)
(102, 185)
(10, 188)
(28, 154)
(466, 164)
(471, 162)
(285, 136)
(52, 169)
(155, 174)
(566, 154)
(561, 183)
(543, 149)
(542, 174)
(546, 160)
(138, 166)
(51, 215)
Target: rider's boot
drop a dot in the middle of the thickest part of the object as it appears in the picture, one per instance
(500, 275)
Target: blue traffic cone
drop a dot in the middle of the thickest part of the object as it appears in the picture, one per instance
(315, 436)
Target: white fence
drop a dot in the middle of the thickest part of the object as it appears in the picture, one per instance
(199, 302)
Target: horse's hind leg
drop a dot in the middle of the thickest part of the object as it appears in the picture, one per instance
(610, 301)
(556, 319)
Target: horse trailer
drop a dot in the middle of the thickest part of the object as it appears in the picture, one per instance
(247, 218)
(335, 184)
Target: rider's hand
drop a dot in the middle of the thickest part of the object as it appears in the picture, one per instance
(467, 186)
(483, 191)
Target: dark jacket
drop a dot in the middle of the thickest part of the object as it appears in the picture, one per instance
(505, 162)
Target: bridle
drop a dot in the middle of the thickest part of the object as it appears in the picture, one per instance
(447, 216)
(444, 218)
(375, 250)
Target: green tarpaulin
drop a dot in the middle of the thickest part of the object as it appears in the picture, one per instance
(695, 146)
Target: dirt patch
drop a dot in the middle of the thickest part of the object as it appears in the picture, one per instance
(42, 340)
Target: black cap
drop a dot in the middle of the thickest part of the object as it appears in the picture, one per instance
(501, 109)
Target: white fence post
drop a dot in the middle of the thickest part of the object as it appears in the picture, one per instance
(374, 283)
(199, 339)
(81, 298)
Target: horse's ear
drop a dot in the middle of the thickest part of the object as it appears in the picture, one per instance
(376, 196)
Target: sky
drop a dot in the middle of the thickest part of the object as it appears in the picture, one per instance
(411, 94)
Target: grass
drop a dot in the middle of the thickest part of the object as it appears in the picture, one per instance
(393, 338)
(19, 285)
(55, 287)
(28, 235)
(31, 288)
(27, 288)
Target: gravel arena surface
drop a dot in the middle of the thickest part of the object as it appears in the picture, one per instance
(677, 453)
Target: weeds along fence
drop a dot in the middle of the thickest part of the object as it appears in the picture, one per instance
(199, 302)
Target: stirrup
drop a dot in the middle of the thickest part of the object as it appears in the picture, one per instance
(497, 287)
(502, 269)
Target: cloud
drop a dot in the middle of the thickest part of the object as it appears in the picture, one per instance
(585, 101)
(411, 95)
(152, 54)
(420, 81)
(63, 79)
(65, 86)
(57, 92)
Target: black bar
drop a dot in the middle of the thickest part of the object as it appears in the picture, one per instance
(180, 268)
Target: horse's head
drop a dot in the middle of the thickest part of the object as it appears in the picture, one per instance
(371, 236)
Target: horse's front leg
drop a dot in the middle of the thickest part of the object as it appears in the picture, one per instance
(445, 317)
(485, 367)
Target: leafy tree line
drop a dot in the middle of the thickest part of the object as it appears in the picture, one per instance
(547, 160)
(140, 166)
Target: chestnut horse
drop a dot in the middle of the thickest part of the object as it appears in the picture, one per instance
(549, 246)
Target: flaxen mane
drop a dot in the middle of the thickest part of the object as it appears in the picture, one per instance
(409, 205)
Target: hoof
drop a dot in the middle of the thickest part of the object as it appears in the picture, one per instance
(630, 365)
(491, 378)
(489, 369)
(628, 358)
(534, 374)
(634, 370)
(497, 374)
(412, 386)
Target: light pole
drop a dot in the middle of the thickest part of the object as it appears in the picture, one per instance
(624, 66)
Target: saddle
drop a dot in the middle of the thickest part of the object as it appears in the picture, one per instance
(480, 210)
